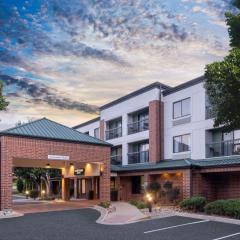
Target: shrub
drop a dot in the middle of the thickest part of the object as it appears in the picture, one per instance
(104, 204)
(20, 185)
(34, 194)
(138, 204)
(195, 204)
(230, 208)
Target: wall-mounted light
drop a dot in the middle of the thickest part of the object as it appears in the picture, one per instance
(48, 165)
(101, 169)
(71, 164)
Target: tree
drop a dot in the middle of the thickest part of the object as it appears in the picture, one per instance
(223, 79)
(233, 21)
(3, 102)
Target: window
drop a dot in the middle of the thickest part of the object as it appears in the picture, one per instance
(137, 184)
(181, 143)
(96, 132)
(181, 108)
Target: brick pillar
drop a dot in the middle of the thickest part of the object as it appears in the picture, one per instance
(105, 179)
(187, 184)
(102, 134)
(156, 127)
(5, 176)
(65, 189)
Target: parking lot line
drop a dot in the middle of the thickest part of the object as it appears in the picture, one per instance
(228, 236)
(176, 226)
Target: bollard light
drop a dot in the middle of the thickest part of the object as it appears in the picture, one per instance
(27, 193)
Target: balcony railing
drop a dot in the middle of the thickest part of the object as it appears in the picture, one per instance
(223, 148)
(116, 160)
(138, 157)
(138, 126)
(209, 112)
(113, 133)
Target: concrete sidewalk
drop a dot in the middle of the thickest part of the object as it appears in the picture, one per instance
(123, 213)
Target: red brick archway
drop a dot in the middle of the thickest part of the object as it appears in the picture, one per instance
(16, 149)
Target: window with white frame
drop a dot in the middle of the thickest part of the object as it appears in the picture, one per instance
(96, 132)
(181, 108)
(181, 143)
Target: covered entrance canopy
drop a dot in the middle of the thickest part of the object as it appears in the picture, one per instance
(44, 143)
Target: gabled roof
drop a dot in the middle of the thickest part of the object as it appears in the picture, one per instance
(86, 123)
(47, 129)
(136, 93)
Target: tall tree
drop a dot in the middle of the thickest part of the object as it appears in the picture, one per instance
(223, 79)
(3, 102)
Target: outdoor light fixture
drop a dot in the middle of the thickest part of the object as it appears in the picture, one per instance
(71, 164)
(149, 201)
(101, 170)
(48, 165)
(43, 192)
(27, 193)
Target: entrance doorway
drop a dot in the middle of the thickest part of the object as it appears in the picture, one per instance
(85, 188)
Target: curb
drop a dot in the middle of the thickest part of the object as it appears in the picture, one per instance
(10, 215)
(209, 217)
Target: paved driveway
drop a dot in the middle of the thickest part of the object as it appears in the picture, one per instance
(35, 206)
(80, 225)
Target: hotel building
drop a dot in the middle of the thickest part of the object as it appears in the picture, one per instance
(162, 133)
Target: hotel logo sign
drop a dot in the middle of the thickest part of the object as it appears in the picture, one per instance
(79, 172)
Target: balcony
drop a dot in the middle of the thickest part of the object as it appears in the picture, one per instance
(138, 157)
(116, 160)
(209, 114)
(113, 133)
(138, 126)
(223, 148)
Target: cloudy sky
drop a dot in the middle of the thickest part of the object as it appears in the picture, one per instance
(63, 58)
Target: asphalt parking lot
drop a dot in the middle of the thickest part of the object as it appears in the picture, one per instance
(80, 224)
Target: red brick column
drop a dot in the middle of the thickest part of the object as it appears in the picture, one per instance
(102, 134)
(187, 184)
(5, 176)
(156, 131)
(105, 178)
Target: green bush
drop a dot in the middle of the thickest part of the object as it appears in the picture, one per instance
(195, 204)
(104, 204)
(20, 185)
(230, 208)
(138, 204)
(34, 194)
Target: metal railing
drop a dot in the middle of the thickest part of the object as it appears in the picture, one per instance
(209, 112)
(223, 148)
(138, 157)
(113, 133)
(116, 160)
(138, 126)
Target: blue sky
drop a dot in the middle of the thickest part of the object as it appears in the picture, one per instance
(63, 58)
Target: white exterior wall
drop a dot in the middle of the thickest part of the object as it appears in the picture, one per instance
(196, 128)
(122, 109)
(89, 128)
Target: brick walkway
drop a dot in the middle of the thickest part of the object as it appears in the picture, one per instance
(52, 206)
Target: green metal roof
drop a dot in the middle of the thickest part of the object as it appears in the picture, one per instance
(162, 165)
(216, 162)
(47, 129)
